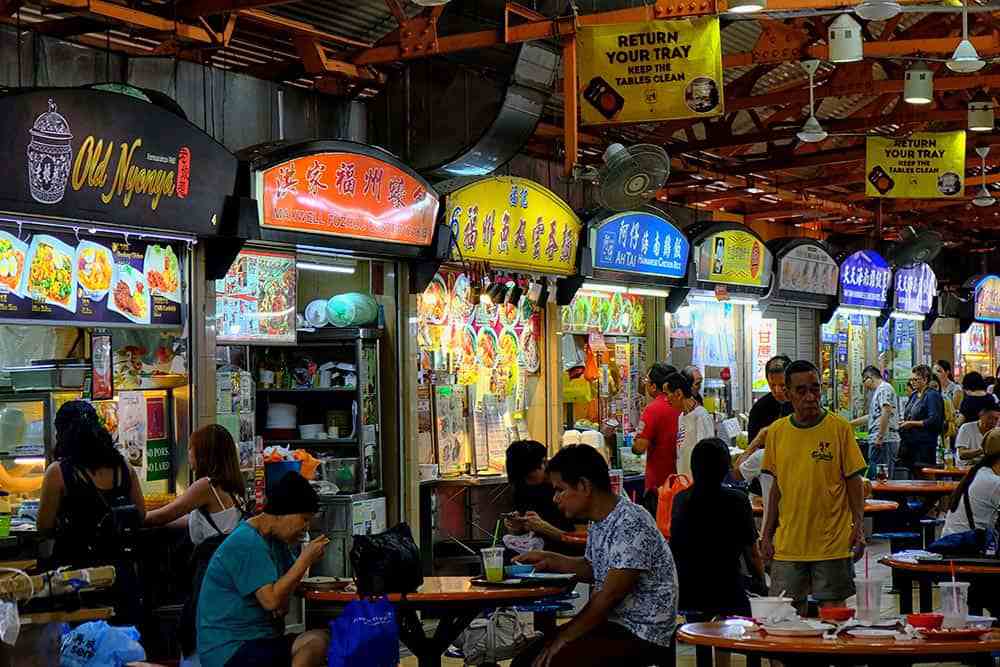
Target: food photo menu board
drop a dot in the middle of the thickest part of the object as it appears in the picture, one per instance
(58, 278)
(255, 302)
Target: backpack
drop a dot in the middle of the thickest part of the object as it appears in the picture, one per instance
(665, 505)
(387, 562)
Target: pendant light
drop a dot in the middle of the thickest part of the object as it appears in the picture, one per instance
(812, 132)
(983, 197)
(980, 112)
(965, 59)
(747, 6)
(844, 40)
(918, 84)
(878, 10)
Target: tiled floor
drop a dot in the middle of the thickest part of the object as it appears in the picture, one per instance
(685, 654)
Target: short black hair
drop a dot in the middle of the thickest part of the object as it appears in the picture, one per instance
(990, 407)
(658, 374)
(871, 371)
(292, 494)
(524, 457)
(944, 365)
(577, 462)
(710, 463)
(799, 366)
(677, 381)
(973, 381)
(776, 364)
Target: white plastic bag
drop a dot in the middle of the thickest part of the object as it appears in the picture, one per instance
(500, 637)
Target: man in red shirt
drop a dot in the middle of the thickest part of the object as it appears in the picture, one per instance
(657, 435)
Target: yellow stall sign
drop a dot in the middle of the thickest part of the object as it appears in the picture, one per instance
(925, 165)
(734, 257)
(650, 70)
(514, 223)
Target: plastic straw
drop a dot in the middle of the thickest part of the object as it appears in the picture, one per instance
(954, 587)
(496, 533)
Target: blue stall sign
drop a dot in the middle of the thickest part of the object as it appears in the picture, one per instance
(915, 289)
(643, 243)
(864, 280)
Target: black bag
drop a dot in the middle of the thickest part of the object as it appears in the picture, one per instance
(388, 562)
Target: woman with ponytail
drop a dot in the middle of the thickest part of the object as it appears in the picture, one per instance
(982, 485)
(711, 530)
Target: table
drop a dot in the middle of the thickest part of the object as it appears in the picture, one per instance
(454, 600)
(928, 489)
(812, 651)
(870, 507)
(947, 473)
(925, 574)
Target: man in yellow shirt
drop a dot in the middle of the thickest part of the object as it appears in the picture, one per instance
(814, 528)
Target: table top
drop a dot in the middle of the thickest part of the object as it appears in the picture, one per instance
(450, 590)
(77, 616)
(942, 567)
(577, 538)
(915, 487)
(734, 636)
(950, 471)
(871, 507)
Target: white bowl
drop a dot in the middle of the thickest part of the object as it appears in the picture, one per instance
(764, 608)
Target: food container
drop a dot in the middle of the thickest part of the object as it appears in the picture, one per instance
(978, 621)
(341, 420)
(49, 155)
(50, 374)
(311, 431)
(282, 415)
(930, 621)
(836, 614)
(514, 571)
(771, 608)
(326, 584)
(342, 472)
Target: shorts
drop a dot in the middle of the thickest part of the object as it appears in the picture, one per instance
(267, 652)
(825, 580)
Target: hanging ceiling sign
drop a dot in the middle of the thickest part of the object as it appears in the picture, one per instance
(650, 70)
(347, 194)
(513, 223)
(864, 280)
(809, 269)
(915, 289)
(734, 257)
(925, 165)
(641, 243)
(986, 299)
(101, 156)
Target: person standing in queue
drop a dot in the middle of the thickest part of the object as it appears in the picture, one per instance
(950, 390)
(814, 525)
(693, 375)
(250, 579)
(923, 420)
(974, 397)
(768, 409)
(695, 423)
(657, 435)
(882, 420)
(91, 504)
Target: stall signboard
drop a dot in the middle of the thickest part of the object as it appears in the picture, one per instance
(100, 156)
(513, 223)
(347, 194)
(986, 299)
(650, 70)
(765, 333)
(808, 269)
(640, 243)
(915, 289)
(255, 302)
(734, 257)
(864, 280)
(924, 165)
(58, 278)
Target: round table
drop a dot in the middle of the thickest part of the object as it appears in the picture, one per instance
(810, 651)
(925, 574)
(456, 601)
(929, 490)
(946, 473)
(871, 507)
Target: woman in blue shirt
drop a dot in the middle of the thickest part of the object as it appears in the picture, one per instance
(923, 419)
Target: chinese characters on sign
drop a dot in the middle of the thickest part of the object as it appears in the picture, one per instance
(915, 289)
(640, 243)
(537, 230)
(987, 299)
(864, 280)
(765, 333)
(347, 194)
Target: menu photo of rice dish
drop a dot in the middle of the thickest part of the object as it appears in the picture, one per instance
(13, 256)
(51, 276)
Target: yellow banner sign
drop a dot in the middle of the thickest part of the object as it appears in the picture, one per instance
(650, 70)
(925, 165)
(514, 223)
(734, 258)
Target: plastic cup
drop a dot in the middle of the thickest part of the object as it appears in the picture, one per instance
(4, 525)
(869, 599)
(493, 563)
(954, 603)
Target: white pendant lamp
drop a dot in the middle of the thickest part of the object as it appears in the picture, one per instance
(878, 10)
(983, 198)
(980, 112)
(747, 6)
(844, 40)
(812, 132)
(965, 59)
(918, 84)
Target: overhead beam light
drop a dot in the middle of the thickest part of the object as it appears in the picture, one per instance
(812, 132)
(844, 40)
(918, 85)
(980, 112)
(878, 10)
(324, 268)
(747, 6)
(983, 198)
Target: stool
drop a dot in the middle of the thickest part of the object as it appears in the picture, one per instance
(929, 525)
(545, 613)
(898, 542)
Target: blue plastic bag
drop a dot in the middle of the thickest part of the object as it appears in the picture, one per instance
(365, 635)
(97, 644)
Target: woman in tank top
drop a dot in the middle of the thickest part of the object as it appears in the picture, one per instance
(217, 494)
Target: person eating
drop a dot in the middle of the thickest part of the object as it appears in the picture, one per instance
(629, 619)
(536, 512)
(969, 442)
(250, 579)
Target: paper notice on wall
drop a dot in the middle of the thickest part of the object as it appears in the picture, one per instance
(132, 425)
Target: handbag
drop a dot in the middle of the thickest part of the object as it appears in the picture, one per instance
(364, 635)
(387, 562)
(499, 637)
(966, 543)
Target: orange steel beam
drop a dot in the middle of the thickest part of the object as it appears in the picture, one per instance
(318, 63)
(570, 139)
(193, 9)
(142, 20)
(298, 28)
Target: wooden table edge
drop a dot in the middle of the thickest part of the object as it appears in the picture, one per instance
(484, 594)
(943, 567)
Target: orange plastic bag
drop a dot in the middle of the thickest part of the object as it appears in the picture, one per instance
(590, 370)
(665, 506)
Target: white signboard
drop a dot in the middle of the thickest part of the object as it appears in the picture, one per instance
(810, 269)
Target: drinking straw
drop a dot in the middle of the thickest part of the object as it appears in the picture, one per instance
(496, 533)
(954, 587)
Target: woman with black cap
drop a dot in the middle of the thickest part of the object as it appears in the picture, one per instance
(245, 592)
(91, 504)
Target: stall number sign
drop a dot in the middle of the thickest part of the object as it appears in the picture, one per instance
(640, 243)
(915, 289)
(514, 223)
(925, 165)
(987, 299)
(864, 280)
(650, 70)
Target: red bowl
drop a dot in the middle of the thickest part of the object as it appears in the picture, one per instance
(929, 621)
(836, 614)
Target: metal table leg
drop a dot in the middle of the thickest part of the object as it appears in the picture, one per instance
(905, 582)
(926, 595)
(429, 650)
